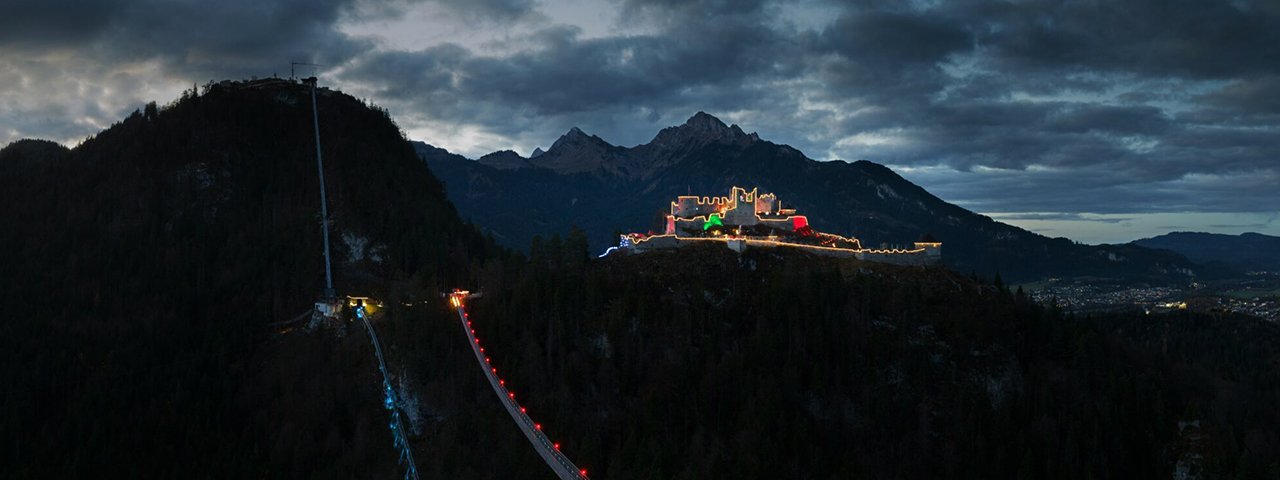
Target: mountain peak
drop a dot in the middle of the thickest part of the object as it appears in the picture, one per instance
(706, 122)
(701, 129)
(575, 151)
(504, 160)
(575, 137)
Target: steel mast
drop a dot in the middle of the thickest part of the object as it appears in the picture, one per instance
(329, 292)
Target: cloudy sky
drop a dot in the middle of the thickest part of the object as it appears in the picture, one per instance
(1101, 121)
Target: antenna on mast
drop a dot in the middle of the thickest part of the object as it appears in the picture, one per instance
(294, 64)
(329, 292)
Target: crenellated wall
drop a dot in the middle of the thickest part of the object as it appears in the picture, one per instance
(749, 208)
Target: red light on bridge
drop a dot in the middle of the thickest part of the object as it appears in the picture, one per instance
(582, 472)
(537, 426)
(521, 409)
(556, 446)
(486, 359)
(481, 349)
(494, 370)
(502, 382)
(511, 395)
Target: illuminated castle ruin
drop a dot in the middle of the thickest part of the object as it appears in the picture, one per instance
(751, 219)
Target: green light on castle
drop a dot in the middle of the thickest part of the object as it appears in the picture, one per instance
(712, 221)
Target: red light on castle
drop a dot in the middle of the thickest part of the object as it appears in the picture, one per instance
(798, 222)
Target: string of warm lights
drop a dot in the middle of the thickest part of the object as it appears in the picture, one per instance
(684, 201)
(840, 238)
(549, 450)
(715, 214)
(778, 243)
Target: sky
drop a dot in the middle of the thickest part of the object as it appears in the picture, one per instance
(1100, 121)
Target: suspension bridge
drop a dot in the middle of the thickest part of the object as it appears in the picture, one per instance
(329, 307)
(548, 450)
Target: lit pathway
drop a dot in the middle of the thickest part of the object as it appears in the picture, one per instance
(389, 401)
(548, 450)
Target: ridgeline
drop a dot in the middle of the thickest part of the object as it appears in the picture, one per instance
(144, 266)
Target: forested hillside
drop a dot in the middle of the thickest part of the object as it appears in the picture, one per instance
(141, 268)
(700, 363)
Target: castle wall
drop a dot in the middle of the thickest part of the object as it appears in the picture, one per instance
(742, 214)
(767, 204)
(739, 244)
(931, 249)
(686, 206)
(915, 258)
(750, 208)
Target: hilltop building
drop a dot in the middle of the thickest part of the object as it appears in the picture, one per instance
(750, 219)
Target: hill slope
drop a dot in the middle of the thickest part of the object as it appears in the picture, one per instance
(702, 363)
(1247, 251)
(149, 260)
(582, 180)
(144, 265)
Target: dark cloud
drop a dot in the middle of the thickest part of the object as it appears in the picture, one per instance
(1123, 120)
(892, 40)
(225, 38)
(1250, 96)
(1193, 38)
(1034, 105)
(502, 9)
(560, 75)
(77, 66)
(1058, 216)
(52, 23)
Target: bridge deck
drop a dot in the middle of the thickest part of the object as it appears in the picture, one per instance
(559, 463)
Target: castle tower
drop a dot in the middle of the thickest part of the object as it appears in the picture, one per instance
(931, 246)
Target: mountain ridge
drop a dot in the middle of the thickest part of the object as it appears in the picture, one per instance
(1245, 251)
(149, 260)
(610, 189)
